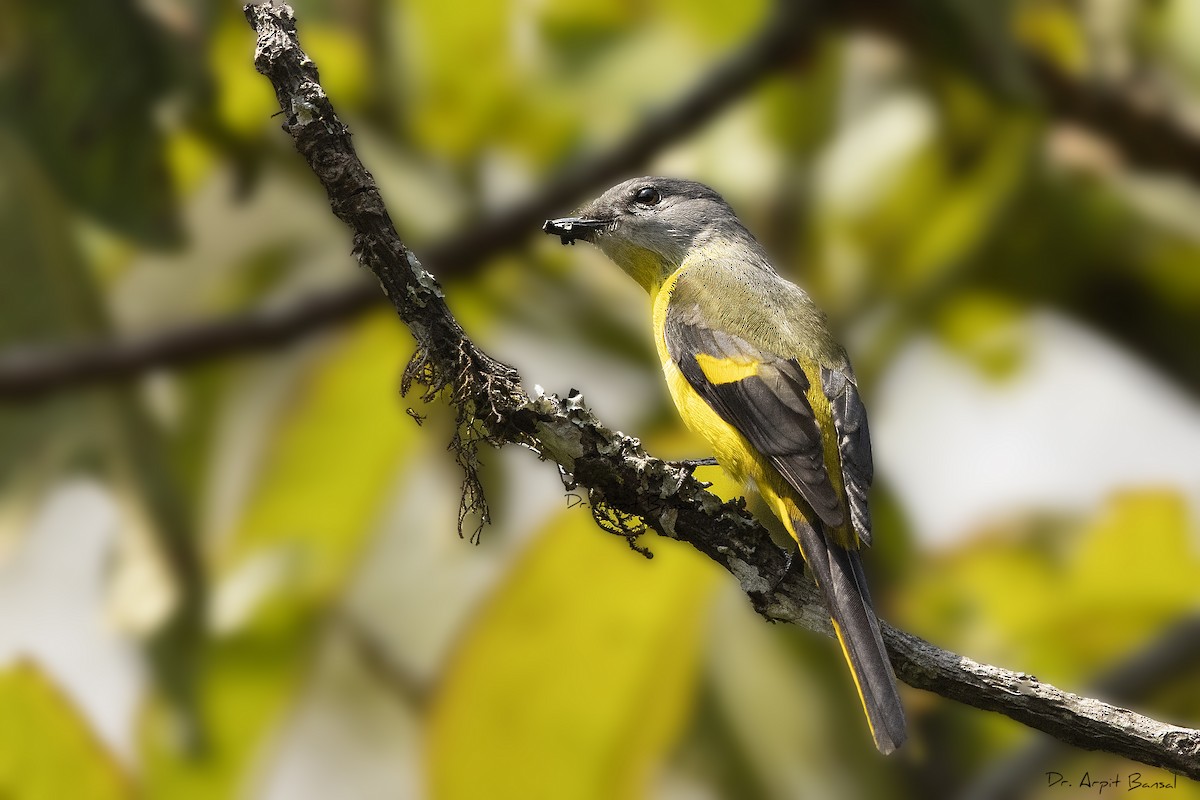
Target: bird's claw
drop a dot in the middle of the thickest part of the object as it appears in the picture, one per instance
(689, 466)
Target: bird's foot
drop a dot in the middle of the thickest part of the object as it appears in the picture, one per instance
(689, 465)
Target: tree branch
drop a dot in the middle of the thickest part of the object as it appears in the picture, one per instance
(626, 486)
(1147, 137)
(28, 372)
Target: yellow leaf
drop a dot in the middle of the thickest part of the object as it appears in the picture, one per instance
(1137, 568)
(47, 751)
(986, 328)
(343, 63)
(332, 462)
(460, 70)
(1049, 28)
(578, 674)
(718, 21)
(244, 100)
(1060, 599)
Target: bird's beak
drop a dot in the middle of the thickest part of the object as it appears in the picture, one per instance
(571, 228)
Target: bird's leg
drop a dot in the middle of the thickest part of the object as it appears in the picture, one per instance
(788, 564)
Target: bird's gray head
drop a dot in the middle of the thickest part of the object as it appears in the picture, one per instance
(649, 225)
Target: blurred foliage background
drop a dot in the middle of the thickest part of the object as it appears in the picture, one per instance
(238, 574)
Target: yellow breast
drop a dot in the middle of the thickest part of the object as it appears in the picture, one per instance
(730, 447)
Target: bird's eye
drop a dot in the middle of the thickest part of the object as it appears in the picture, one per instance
(648, 196)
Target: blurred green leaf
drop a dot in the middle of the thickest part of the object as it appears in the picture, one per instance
(715, 20)
(801, 113)
(985, 329)
(80, 84)
(459, 107)
(1142, 542)
(789, 707)
(46, 293)
(922, 228)
(47, 750)
(1059, 598)
(537, 301)
(333, 459)
(572, 684)
(964, 206)
(578, 29)
(1050, 28)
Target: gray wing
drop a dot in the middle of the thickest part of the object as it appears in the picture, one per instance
(854, 445)
(770, 408)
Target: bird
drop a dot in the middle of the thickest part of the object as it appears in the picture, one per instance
(754, 369)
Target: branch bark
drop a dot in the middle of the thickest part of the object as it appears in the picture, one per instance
(626, 486)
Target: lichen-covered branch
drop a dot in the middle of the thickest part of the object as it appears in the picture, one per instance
(1173, 655)
(615, 470)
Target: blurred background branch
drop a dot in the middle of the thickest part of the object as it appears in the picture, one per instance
(619, 474)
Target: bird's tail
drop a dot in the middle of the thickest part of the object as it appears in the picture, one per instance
(840, 576)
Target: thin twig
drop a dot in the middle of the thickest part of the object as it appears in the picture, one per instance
(618, 473)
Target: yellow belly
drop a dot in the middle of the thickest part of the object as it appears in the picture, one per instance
(730, 448)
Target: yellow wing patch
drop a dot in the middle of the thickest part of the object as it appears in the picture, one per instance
(720, 370)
